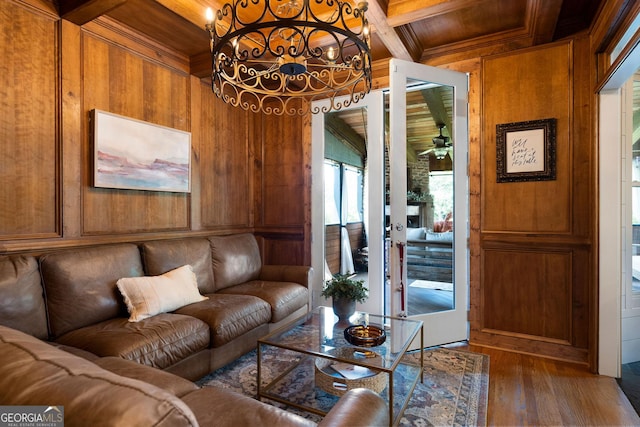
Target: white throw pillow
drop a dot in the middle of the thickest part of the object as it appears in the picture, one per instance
(151, 295)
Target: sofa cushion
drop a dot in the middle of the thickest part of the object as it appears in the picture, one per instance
(229, 316)
(22, 304)
(35, 373)
(151, 295)
(80, 284)
(174, 384)
(163, 255)
(283, 297)
(445, 236)
(159, 341)
(416, 233)
(236, 259)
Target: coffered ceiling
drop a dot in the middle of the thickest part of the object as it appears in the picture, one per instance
(419, 30)
(429, 31)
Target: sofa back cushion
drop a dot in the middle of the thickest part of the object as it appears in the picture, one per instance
(236, 259)
(80, 284)
(35, 373)
(22, 304)
(165, 255)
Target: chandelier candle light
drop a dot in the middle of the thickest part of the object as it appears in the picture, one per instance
(278, 56)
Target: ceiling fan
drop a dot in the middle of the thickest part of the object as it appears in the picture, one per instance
(442, 145)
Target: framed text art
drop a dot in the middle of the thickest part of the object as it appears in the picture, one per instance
(136, 155)
(526, 151)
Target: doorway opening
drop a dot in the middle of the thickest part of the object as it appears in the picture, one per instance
(429, 250)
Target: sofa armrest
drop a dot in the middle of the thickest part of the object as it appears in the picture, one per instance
(358, 407)
(287, 273)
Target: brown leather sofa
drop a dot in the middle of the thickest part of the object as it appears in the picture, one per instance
(81, 307)
(67, 341)
(112, 391)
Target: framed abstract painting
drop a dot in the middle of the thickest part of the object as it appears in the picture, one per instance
(136, 155)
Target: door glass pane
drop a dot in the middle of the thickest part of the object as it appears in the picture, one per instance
(428, 254)
(346, 231)
(635, 182)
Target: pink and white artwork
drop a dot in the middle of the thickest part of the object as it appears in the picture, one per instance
(137, 155)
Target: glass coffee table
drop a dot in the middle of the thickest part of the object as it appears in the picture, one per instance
(309, 364)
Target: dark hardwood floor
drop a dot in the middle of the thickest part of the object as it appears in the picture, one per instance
(526, 390)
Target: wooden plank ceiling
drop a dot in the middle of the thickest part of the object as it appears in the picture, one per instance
(429, 31)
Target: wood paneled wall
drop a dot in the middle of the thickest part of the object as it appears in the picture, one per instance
(249, 173)
(536, 256)
(121, 81)
(533, 259)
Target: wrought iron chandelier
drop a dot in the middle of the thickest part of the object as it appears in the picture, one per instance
(278, 56)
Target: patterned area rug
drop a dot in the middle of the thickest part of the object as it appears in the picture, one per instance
(454, 392)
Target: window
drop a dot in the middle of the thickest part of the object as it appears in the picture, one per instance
(343, 193)
(353, 189)
(441, 189)
(331, 193)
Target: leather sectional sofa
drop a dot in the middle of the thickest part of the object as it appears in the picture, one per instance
(66, 321)
(111, 391)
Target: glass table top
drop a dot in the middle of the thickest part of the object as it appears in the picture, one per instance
(320, 333)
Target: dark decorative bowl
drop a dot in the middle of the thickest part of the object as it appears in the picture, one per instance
(365, 336)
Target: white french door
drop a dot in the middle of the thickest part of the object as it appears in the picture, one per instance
(411, 82)
(384, 215)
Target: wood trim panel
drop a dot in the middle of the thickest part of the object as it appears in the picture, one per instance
(283, 171)
(114, 33)
(71, 129)
(541, 207)
(120, 82)
(535, 300)
(226, 182)
(282, 250)
(527, 292)
(30, 149)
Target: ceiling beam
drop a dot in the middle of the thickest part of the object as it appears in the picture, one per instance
(435, 104)
(542, 17)
(193, 11)
(387, 34)
(406, 12)
(82, 11)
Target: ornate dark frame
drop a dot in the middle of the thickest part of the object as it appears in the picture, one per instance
(549, 155)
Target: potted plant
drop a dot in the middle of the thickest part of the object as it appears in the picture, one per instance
(345, 292)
